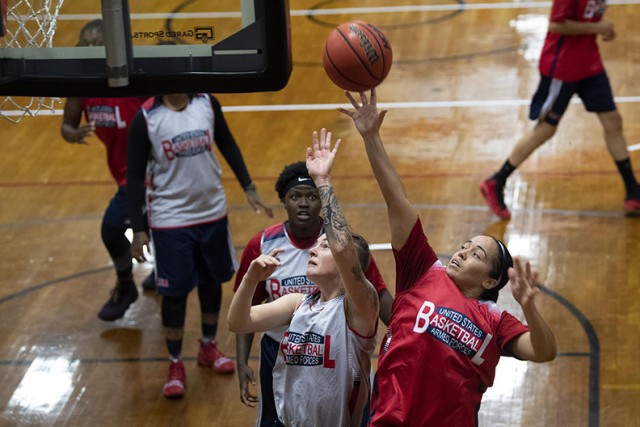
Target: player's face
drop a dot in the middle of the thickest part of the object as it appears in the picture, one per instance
(91, 38)
(471, 265)
(303, 205)
(321, 263)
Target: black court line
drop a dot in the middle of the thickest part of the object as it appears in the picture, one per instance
(593, 354)
(63, 279)
(388, 27)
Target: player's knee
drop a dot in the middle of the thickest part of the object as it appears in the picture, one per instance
(114, 239)
(544, 131)
(174, 311)
(611, 122)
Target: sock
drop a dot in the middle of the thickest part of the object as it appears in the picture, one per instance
(209, 331)
(504, 172)
(175, 349)
(630, 183)
(206, 339)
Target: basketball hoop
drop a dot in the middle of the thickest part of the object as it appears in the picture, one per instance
(27, 23)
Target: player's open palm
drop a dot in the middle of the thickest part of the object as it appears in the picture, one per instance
(365, 116)
(523, 282)
(320, 157)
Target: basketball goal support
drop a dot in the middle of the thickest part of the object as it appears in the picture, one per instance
(256, 58)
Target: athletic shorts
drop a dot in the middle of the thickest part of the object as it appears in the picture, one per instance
(553, 96)
(187, 255)
(116, 214)
(267, 413)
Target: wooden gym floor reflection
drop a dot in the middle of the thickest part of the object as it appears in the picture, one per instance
(457, 96)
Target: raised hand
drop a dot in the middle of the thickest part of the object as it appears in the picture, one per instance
(320, 157)
(263, 266)
(523, 282)
(366, 116)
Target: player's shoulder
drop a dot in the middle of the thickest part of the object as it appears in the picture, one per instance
(273, 232)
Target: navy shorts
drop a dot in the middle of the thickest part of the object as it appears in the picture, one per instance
(553, 96)
(187, 255)
(268, 414)
(116, 214)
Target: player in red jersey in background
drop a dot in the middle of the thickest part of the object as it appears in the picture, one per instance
(446, 333)
(109, 120)
(570, 64)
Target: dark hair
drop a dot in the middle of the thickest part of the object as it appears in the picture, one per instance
(362, 250)
(499, 271)
(294, 170)
(96, 24)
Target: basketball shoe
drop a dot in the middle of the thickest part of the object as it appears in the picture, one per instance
(209, 355)
(632, 207)
(176, 381)
(122, 296)
(493, 196)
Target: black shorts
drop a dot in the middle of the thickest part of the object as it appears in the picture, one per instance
(187, 255)
(553, 96)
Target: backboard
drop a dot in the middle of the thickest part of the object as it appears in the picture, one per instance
(220, 46)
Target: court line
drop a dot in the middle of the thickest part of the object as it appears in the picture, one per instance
(490, 103)
(470, 103)
(347, 10)
(594, 354)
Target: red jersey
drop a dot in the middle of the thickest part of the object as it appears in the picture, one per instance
(441, 349)
(112, 117)
(572, 58)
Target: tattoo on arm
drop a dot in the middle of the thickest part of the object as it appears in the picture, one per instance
(335, 223)
(372, 294)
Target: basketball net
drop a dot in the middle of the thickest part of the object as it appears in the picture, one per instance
(27, 23)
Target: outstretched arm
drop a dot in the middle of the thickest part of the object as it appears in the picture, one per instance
(401, 213)
(539, 344)
(361, 300)
(245, 318)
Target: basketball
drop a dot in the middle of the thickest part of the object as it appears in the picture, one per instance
(357, 56)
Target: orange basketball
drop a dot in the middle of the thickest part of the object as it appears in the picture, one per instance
(357, 56)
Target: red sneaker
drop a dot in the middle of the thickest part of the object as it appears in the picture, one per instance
(632, 207)
(176, 381)
(209, 355)
(493, 197)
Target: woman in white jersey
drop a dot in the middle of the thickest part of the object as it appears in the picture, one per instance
(321, 375)
(296, 235)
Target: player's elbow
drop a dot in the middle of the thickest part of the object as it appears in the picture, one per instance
(559, 27)
(547, 354)
(236, 325)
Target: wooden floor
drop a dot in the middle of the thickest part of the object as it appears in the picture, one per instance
(457, 97)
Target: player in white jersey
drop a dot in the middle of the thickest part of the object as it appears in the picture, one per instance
(322, 371)
(170, 142)
(299, 233)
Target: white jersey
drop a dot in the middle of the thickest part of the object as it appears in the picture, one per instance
(183, 172)
(321, 377)
(291, 276)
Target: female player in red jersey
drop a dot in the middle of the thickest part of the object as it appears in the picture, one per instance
(570, 64)
(446, 333)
